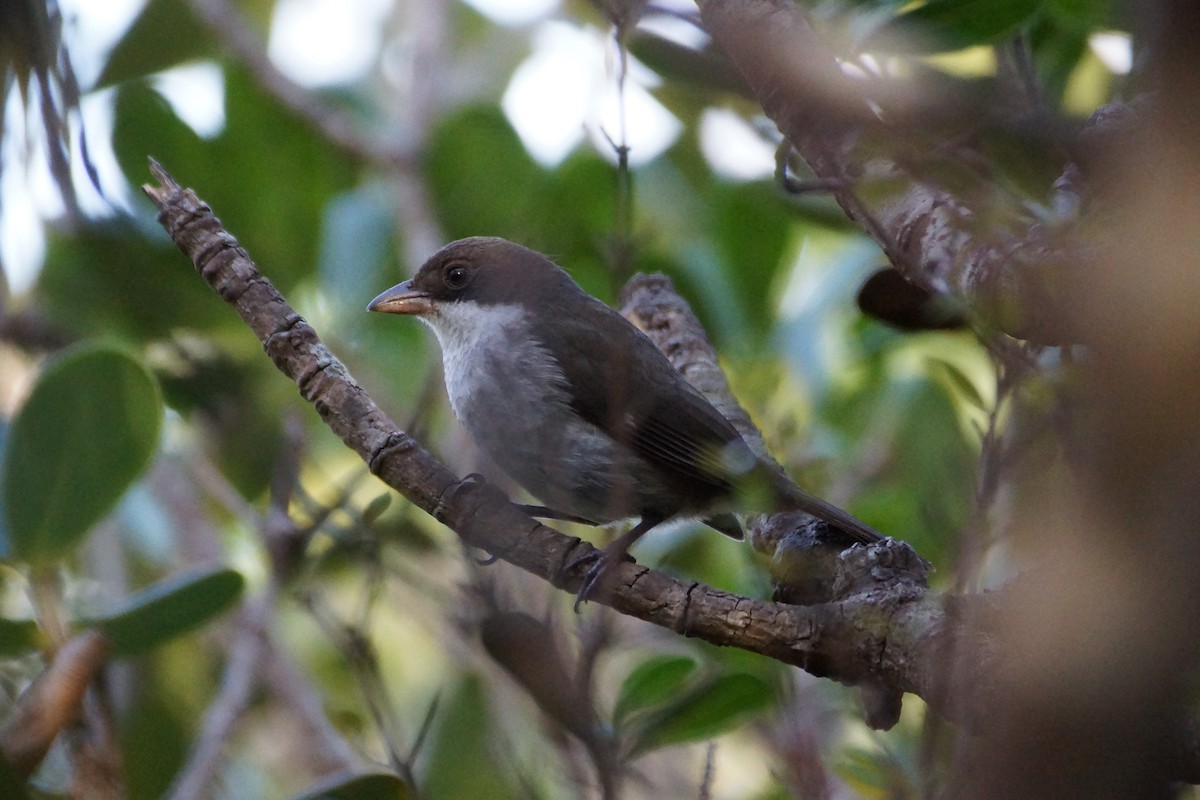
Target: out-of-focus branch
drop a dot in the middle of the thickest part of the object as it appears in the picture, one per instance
(241, 675)
(53, 701)
(929, 234)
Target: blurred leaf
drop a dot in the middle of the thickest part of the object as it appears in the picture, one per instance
(462, 751)
(1090, 15)
(5, 547)
(964, 385)
(107, 278)
(924, 493)
(751, 227)
(375, 508)
(236, 403)
(87, 430)
(948, 25)
(529, 650)
(369, 786)
(268, 175)
(706, 711)
(482, 180)
(156, 729)
(153, 43)
(653, 682)
(1057, 51)
(12, 786)
(171, 607)
(18, 637)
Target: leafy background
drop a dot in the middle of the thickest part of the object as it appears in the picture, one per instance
(147, 440)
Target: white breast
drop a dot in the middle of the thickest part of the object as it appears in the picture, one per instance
(512, 397)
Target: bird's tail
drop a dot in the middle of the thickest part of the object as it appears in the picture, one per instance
(790, 497)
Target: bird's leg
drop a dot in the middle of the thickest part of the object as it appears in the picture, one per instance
(541, 512)
(603, 560)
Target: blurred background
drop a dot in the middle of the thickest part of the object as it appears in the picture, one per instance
(343, 143)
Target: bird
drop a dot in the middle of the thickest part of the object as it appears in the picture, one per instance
(579, 407)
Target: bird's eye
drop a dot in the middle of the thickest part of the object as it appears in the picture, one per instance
(456, 277)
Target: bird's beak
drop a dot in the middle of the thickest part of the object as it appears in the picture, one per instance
(402, 299)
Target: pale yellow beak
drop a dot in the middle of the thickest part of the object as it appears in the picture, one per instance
(402, 299)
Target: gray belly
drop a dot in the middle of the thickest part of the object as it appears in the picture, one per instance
(517, 411)
(566, 463)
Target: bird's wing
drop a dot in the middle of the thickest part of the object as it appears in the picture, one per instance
(638, 398)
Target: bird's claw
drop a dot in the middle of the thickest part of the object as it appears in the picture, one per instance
(602, 561)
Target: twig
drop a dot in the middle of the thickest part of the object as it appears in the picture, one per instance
(242, 674)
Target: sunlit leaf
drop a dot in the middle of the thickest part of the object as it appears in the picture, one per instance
(87, 430)
(965, 386)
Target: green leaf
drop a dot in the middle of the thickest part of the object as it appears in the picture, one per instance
(12, 786)
(964, 385)
(941, 26)
(153, 42)
(375, 508)
(84, 285)
(293, 170)
(369, 786)
(651, 683)
(703, 713)
(171, 607)
(18, 637)
(87, 430)
(462, 758)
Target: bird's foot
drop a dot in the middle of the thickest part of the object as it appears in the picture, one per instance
(601, 563)
(604, 560)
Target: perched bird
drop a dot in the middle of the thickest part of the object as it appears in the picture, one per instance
(578, 406)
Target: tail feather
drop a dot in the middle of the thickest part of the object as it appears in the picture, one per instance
(791, 497)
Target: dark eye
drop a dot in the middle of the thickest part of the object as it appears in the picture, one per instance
(456, 276)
